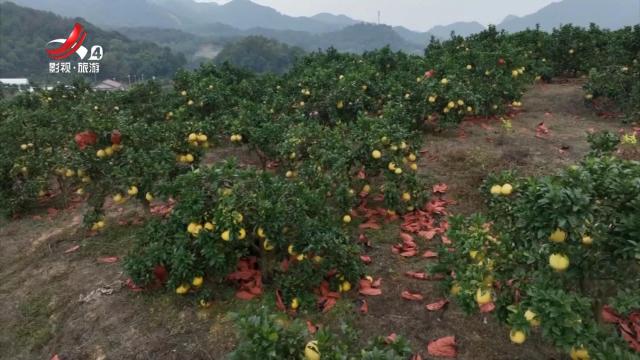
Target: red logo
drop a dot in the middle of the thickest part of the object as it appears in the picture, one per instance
(73, 44)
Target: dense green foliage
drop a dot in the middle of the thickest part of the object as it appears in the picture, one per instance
(264, 335)
(25, 33)
(558, 247)
(610, 59)
(249, 213)
(617, 83)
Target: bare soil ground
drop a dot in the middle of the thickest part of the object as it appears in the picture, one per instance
(73, 305)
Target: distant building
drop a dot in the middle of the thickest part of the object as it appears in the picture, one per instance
(110, 85)
(19, 82)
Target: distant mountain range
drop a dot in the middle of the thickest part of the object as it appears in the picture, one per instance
(245, 15)
(215, 24)
(612, 14)
(459, 28)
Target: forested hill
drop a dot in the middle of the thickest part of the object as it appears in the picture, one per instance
(25, 32)
(260, 54)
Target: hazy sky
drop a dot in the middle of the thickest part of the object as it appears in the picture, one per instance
(414, 14)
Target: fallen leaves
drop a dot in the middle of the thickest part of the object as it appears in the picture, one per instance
(416, 275)
(391, 338)
(279, 302)
(107, 259)
(407, 248)
(162, 209)
(411, 296)
(443, 347)
(427, 235)
(370, 288)
(440, 188)
(370, 224)
(52, 212)
(629, 327)
(161, 274)
(603, 111)
(486, 126)
(248, 278)
(630, 330)
(85, 138)
(430, 254)
(311, 327)
(487, 308)
(72, 249)
(364, 307)
(564, 149)
(609, 315)
(423, 276)
(373, 216)
(437, 206)
(327, 299)
(364, 240)
(542, 130)
(116, 137)
(132, 286)
(437, 305)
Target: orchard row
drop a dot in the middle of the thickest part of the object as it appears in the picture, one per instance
(336, 131)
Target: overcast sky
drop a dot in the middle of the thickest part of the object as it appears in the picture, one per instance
(414, 14)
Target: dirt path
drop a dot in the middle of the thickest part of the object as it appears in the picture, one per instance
(73, 305)
(41, 285)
